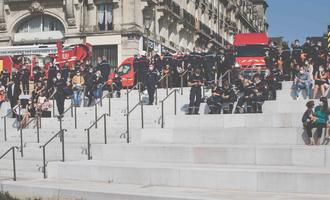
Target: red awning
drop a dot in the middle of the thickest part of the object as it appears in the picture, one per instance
(251, 39)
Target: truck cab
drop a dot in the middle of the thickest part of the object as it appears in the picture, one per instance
(250, 51)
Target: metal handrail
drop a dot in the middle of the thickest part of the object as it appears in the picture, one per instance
(127, 118)
(162, 78)
(104, 116)
(228, 72)
(70, 108)
(14, 159)
(181, 79)
(136, 86)
(5, 124)
(128, 111)
(162, 102)
(44, 149)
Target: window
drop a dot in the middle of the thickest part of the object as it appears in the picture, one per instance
(124, 69)
(40, 23)
(110, 51)
(251, 51)
(105, 16)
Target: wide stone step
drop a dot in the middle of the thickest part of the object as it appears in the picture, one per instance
(205, 135)
(284, 155)
(69, 189)
(227, 177)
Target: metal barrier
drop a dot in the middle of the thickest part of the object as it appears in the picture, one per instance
(5, 124)
(162, 102)
(104, 116)
(44, 150)
(14, 159)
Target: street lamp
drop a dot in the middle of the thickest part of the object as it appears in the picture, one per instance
(147, 25)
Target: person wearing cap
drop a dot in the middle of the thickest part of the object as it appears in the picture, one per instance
(78, 82)
(59, 93)
(151, 81)
(196, 82)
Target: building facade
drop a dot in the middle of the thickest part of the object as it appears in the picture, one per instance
(122, 28)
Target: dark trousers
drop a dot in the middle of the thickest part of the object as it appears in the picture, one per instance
(13, 103)
(60, 99)
(26, 88)
(319, 129)
(151, 93)
(195, 99)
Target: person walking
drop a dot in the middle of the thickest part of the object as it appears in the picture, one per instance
(59, 94)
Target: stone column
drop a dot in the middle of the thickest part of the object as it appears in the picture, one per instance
(69, 9)
(3, 26)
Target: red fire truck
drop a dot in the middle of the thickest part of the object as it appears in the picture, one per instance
(15, 56)
(250, 50)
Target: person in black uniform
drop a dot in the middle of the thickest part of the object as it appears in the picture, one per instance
(59, 93)
(65, 72)
(117, 85)
(151, 80)
(296, 52)
(4, 78)
(228, 96)
(260, 94)
(196, 82)
(246, 87)
(214, 101)
(286, 61)
(52, 71)
(25, 74)
(13, 94)
(37, 74)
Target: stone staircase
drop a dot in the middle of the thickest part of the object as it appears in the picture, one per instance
(227, 157)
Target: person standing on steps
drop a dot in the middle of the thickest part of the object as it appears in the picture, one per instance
(151, 80)
(195, 82)
(59, 94)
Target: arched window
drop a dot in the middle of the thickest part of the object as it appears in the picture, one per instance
(40, 23)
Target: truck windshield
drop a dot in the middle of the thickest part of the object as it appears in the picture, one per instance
(251, 51)
(124, 69)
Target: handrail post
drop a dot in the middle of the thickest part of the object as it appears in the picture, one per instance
(105, 129)
(181, 85)
(127, 117)
(44, 160)
(63, 153)
(71, 108)
(162, 123)
(156, 96)
(38, 136)
(14, 163)
(95, 115)
(88, 145)
(60, 118)
(5, 127)
(75, 117)
(175, 102)
(166, 85)
(142, 117)
(109, 104)
(53, 107)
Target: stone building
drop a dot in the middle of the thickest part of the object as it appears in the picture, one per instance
(122, 28)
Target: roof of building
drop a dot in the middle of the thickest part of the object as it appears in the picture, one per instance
(260, 2)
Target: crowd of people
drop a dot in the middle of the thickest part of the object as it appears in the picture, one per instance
(306, 65)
